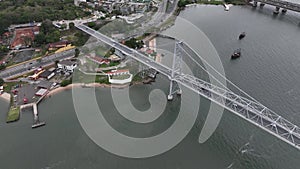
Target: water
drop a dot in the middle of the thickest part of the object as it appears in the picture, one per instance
(268, 71)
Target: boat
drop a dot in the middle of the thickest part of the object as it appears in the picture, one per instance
(236, 54)
(226, 7)
(242, 35)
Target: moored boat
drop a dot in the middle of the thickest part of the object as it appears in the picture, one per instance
(242, 35)
(236, 54)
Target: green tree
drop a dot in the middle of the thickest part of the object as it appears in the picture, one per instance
(1, 81)
(56, 62)
(2, 67)
(77, 52)
(91, 24)
(71, 25)
(65, 83)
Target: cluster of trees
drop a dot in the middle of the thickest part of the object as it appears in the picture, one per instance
(1, 81)
(134, 43)
(2, 66)
(183, 3)
(48, 34)
(66, 82)
(24, 11)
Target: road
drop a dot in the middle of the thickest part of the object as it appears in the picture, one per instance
(27, 67)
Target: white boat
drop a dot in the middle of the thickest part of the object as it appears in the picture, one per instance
(226, 7)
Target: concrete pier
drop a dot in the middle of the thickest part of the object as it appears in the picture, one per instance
(276, 11)
(36, 121)
(254, 4)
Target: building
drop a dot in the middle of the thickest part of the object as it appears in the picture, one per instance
(99, 60)
(141, 8)
(24, 37)
(41, 92)
(67, 65)
(56, 45)
(114, 58)
(47, 74)
(77, 2)
(119, 76)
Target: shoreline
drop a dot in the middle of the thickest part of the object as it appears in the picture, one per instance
(83, 85)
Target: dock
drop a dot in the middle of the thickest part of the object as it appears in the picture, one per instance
(36, 121)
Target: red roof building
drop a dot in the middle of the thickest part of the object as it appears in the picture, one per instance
(99, 60)
(21, 36)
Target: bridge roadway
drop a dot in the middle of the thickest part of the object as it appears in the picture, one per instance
(253, 112)
(282, 4)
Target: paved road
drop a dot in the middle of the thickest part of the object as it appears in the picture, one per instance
(27, 67)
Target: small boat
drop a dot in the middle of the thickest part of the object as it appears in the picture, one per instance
(242, 35)
(236, 54)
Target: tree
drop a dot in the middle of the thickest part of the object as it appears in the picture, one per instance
(1, 81)
(40, 39)
(56, 62)
(71, 25)
(91, 24)
(77, 52)
(2, 67)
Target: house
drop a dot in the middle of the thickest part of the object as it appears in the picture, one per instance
(47, 74)
(24, 37)
(56, 45)
(114, 58)
(67, 65)
(99, 60)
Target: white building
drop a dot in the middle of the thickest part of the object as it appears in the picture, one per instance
(67, 65)
(77, 2)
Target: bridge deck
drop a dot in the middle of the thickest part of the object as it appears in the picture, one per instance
(282, 4)
(254, 112)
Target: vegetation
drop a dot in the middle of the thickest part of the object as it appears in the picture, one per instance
(8, 86)
(1, 81)
(21, 11)
(2, 66)
(66, 82)
(77, 52)
(134, 43)
(13, 114)
(183, 3)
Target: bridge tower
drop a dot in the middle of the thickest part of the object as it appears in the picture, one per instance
(176, 70)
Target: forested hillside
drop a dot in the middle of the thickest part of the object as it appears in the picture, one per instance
(24, 11)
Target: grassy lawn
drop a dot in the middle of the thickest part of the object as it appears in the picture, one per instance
(13, 114)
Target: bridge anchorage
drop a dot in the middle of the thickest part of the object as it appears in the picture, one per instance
(278, 4)
(248, 109)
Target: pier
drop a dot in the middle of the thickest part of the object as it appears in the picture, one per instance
(36, 121)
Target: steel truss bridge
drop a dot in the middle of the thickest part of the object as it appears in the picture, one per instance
(252, 111)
